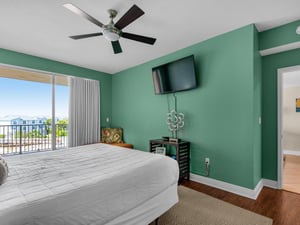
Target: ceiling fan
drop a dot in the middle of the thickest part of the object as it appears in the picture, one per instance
(113, 31)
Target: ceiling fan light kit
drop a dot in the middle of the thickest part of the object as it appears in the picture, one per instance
(113, 31)
(111, 34)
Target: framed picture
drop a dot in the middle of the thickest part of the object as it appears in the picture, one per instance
(297, 104)
(160, 150)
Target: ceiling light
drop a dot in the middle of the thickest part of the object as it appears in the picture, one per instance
(111, 34)
(298, 30)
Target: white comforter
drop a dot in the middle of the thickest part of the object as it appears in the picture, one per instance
(87, 185)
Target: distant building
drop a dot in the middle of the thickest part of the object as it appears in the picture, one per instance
(29, 124)
(26, 120)
(9, 125)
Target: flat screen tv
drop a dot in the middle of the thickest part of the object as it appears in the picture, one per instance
(179, 75)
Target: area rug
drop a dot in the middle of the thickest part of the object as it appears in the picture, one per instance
(196, 208)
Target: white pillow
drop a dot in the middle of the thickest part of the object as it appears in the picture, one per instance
(3, 170)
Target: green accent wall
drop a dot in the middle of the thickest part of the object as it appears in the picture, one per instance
(257, 112)
(33, 62)
(270, 65)
(221, 115)
(274, 37)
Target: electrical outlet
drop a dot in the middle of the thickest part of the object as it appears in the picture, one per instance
(207, 161)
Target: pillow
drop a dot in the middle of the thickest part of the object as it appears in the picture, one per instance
(112, 135)
(3, 170)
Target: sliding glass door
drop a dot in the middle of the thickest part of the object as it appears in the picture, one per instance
(33, 112)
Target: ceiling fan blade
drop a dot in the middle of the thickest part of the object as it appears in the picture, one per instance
(131, 15)
(135, 37)
(82, 13)
(76, 37)
(116, 46)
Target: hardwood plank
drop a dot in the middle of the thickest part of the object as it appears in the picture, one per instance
(291, 173)
(282, 206)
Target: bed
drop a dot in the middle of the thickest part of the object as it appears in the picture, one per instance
(88, 185)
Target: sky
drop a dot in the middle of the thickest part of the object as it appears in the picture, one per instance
(26, 98)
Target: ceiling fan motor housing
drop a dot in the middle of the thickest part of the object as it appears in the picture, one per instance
(110, 32)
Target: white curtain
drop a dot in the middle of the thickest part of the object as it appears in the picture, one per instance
(84, 112)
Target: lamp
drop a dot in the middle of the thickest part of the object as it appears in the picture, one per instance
(111, 34)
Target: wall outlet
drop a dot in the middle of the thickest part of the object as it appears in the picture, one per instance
(207, 162)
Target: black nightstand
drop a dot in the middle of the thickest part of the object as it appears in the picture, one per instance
(182, 155)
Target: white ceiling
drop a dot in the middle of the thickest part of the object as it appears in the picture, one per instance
(41, 28)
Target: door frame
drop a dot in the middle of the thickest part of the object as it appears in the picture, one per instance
(280, 73)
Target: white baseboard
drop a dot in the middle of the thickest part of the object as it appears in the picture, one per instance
(246, 192)
(291, 152)
(270, 183)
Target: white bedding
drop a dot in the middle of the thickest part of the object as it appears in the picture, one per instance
(87, 185)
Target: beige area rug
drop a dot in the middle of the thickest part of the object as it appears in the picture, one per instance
(196, 208)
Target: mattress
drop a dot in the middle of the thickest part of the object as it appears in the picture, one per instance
(86, 185)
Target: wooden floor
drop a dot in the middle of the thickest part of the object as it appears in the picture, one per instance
(291, 173)
(282, 206)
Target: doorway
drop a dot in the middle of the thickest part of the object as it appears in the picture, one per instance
(289, 129)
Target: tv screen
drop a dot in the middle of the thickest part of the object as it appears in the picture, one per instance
(179, 75)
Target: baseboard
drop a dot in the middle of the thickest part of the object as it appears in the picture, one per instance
(270, 183)
(291, 152)
(246, 192)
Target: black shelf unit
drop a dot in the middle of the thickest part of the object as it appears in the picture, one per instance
(182, 155)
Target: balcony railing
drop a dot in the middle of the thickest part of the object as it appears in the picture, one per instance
(18, 139)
